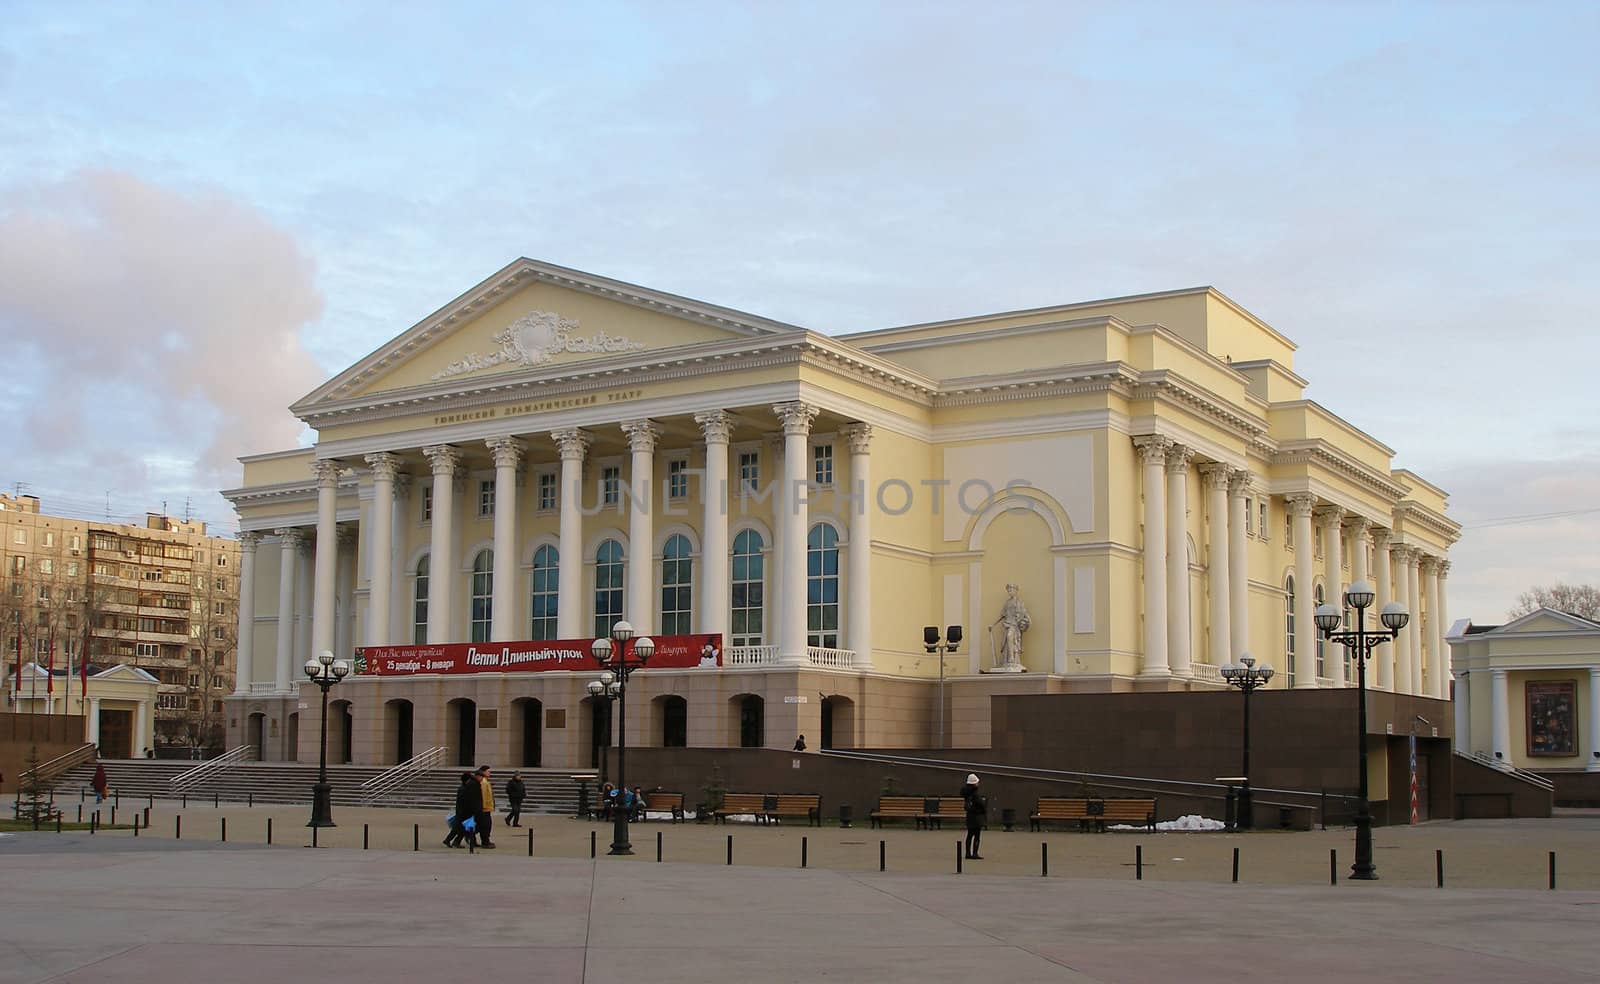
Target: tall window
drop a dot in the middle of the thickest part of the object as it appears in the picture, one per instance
(419, 605)
(482, 595)
(677, 581)
(427, 503)
(1317, 597)
(546, 577)
(610, 485)
(1288, 625)
(822, 464)
(485, 498)
(1262, 526)
(547, 491)
(822, 587)
(677, 479)
(607, 587)
(749, 471)
(749, 576)
(1250, 516)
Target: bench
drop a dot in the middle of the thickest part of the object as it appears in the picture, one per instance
(1093, 813)
(898, 808)
(660, 802)
(939, 809)
(739, 804)
(807, 805)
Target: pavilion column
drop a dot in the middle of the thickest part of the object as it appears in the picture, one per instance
(1386, 657)
(1593, 732)
(1414, 627)
(1238, 566)
(1180, 640)
(288, 561)
(717, 427)
(1219, 638)
(640, 601)
(381, 582)
(344, 609)
(323, 586)
(507, 453)
(1153, 457)
(94, 721)
(1437, 665)
(1463, 709)
(1500, 715)
(245, 653)
(1305, 635)
(573, 445)
(445, 460)
(796, 419)
(1332, 518)
(858, 611)
(1360, 530)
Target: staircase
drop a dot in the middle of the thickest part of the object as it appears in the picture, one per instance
(550, 791)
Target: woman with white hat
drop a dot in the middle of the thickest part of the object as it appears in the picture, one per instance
(977, 806)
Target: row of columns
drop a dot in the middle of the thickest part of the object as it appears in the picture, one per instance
(445, 461)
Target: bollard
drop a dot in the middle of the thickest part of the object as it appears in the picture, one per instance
(882, 857)
(1236, 866)
(81, 794)
(116, 800)
(216, 800)
(803, 847)
(269, 831)
(177, 827)
(530, 844)
(314, 836)
(658, 845)
(147, 817)
(252, 798)
(80, 814)
(1138, 862)
(1044, 859)
(224, 830)
(1552, 871)
(958, 857)
(185, 801)
(364, 836)
(113, 816)
(591, 845)
(58, 824)
(94, 821)
(136, 823)
(149, 801)
(1333, 866)
(416, 838)
(730, 848)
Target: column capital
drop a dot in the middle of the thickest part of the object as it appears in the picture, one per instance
(796, 417)
(1178, 458)
(859, 436)
(642, 434)
(384, 464)
(1216, 474)
(1359, 526)
(444, 458)
(292, 536)
(573, 443)
(1330, 515)
(248, 541)
(1429, 564)
(1382, 537)
(1444, 569)
(1152, 448)
(327, 472)
(507, 451)
(1239, 482)
(1301, 504)
(346, 537)
(715, 425)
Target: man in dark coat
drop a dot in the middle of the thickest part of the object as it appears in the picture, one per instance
(515, 793)
(977, 807)
(469, 798)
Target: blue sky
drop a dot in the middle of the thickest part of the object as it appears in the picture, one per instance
(237, 200)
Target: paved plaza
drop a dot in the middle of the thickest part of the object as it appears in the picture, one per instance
(107, 907)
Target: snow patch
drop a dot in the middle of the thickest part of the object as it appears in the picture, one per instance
(1190, 822)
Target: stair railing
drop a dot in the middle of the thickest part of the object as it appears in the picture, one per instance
(61, 764)
(394, 779)
(208, 771)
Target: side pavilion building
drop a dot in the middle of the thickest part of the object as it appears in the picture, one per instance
(1107, 496)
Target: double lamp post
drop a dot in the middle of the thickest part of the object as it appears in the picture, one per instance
(618, 657)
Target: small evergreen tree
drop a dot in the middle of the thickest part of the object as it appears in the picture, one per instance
(33, 792)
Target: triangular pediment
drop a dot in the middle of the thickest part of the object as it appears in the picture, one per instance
(1546, 620)
(534, 315)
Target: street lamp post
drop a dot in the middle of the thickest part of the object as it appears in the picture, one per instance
(1247, 676)
(617, 662)
(933, 644)
(1361, 643)
(324, 671)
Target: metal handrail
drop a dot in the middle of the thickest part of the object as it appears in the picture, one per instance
(207, 771)
(402, 775)
(62, 763)
(1500, 765)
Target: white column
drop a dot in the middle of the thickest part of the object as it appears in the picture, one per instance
(245, 654)
(1332, 518)
(1444, 624)
(401, 614)
(304, 565)
(796, 419)
(640, 603)
(288, 561)
(1153, 457)
(507, 453)
(1463, 709)
(717, 427)
(1359, 538)
(381, 579)
(345, 595)
(572, 444)
(1414, 627)
(1219, 638)
(1238, 565)
(322, 585)
(1305, 629)
(441, 566)
(1500, 714)
(1180, 640)
(1384, 657)
(142, 739)
(1438, 664)
(1593, 732)
(858, 605)
(1403, 653)
(94, 723)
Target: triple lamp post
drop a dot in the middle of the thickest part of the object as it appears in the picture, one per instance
(324, 671)
(618, 660)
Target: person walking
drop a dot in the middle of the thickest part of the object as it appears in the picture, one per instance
(977, 807)
(485, 809)
(515, 793)
(469, 797)
(100, 784)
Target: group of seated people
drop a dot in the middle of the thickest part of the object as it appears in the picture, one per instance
(613, 799)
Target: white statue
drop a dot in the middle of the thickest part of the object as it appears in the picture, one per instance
(1013, 622)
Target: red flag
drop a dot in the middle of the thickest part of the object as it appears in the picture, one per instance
(19, 661)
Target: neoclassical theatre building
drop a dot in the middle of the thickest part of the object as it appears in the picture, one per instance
(1107, 496)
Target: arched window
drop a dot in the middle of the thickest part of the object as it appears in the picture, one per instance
(607, 587)
(1316, 603)
(482, 595)
(677, 583)
(546, 576)
(419, 605)
(822, 587)
(749, 577)
(1288, 625)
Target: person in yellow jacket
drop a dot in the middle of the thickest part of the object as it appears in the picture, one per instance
(485, 818)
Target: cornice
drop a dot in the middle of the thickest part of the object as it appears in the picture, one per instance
(1098, 322)
(1168, 387)
(299, 491)
(1095, 377)
(1318, 451)
(1411, 511)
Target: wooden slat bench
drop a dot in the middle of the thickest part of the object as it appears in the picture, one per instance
(948, 808)
(662, 802)
(807, 805)
(1093, 813)
(898, 808)
(739, 804)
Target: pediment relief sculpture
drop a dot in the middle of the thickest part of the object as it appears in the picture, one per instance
(535, 339)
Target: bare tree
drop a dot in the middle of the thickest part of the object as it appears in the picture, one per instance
(1575, 599)
(218, 637)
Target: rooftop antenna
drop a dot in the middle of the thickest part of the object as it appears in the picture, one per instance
(108, 505)
(186, 500)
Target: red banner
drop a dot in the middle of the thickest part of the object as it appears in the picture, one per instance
(672, 652)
